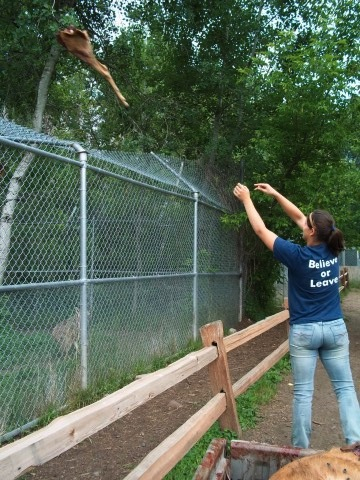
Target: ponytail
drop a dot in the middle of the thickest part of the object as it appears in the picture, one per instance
(327, 232)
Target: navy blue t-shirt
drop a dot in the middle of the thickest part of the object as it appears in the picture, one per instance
(313, 281)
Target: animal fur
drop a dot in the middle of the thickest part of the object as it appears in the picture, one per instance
(67, 333)
(335, 464)
(78, 43)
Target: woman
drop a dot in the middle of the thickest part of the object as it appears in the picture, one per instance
(316, 324)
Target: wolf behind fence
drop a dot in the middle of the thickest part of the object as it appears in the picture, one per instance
(67, 333)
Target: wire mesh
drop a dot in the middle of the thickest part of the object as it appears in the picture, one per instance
(157, 265)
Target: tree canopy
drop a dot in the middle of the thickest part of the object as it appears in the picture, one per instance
(259, 90)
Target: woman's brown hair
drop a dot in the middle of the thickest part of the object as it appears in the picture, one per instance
(326, 231)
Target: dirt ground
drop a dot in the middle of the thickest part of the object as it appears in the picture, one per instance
(113, 452)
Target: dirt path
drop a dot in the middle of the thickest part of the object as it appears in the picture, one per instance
(113, 452)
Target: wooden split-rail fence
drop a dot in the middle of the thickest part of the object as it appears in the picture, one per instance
(67, 431)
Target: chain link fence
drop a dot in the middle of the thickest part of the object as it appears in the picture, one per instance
(107, 260)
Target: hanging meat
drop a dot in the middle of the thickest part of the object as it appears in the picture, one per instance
(78, 43)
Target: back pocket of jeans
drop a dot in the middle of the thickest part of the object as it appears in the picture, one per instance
(302, 335)
(340, 334)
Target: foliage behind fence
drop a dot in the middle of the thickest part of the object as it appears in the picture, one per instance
(113, 259)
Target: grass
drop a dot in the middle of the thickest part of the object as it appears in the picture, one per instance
(353, 285)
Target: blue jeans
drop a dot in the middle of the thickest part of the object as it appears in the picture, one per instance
(329, 341)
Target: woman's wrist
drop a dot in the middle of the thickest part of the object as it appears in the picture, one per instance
(277, 195)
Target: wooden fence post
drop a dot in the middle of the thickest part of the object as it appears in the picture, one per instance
(344, 278)
(346, 275)
(285, 306)
(213, 334)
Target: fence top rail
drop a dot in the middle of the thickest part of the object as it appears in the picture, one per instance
(18, 133)
(40, 151)
(174, 175)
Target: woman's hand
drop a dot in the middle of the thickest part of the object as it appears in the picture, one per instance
(267, 236)
(241, 192)
(266, 188)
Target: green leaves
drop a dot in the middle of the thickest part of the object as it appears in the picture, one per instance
(261, 92)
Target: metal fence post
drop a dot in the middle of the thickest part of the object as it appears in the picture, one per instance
(195, 267)
(83, 268)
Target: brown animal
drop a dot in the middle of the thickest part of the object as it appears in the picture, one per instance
(78, 43)
(335, 464)
(67, 333)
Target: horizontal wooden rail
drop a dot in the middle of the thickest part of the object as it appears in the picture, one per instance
(257, 372)
(244, 336)
(67, 431)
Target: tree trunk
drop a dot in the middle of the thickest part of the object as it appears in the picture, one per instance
(44, 86)
(8, 210)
